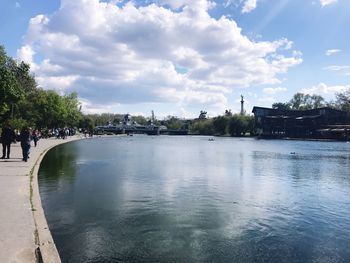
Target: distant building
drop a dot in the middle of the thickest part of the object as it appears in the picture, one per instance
(321, 123)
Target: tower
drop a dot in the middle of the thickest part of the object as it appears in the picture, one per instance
(242, 105)
(152, 118)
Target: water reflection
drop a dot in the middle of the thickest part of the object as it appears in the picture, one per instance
(184, 199)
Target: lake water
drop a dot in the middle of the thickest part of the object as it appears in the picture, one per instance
(188, 199)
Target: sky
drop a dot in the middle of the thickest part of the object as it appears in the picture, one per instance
(178, 57)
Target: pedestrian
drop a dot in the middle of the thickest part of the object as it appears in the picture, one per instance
(7, 137)
(35, 137)
(25, 138)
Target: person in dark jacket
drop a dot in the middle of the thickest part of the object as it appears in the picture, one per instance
(7, 137)
(35, 137)
(25, 138)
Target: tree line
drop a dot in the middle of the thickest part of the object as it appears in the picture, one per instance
(227, 124)
(301, 101)
(24, 103)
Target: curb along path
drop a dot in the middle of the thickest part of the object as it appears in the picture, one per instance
(23, 226)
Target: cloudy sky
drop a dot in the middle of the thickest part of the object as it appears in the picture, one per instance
(178, 57)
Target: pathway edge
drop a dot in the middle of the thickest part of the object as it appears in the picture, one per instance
(46, 251)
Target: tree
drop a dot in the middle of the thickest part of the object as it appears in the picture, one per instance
(72, 109)
(10, 90)
(173, 123)
(297, 101)
(25, 103)
(281, 106)
(202, 127)
(220, 124)
(86, 123)
(317, 101)
(140, 119)
(238, 125)
(301, 101)
(343, 100)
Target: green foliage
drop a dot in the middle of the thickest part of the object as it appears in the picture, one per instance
(343, 100)
(10, 89)
(282, 106)
(234, 125)
(140, 119)
(301, 101)
(86, 123)
(220, 124)
(173, 123)
(19, 123)
(25, 103)
(238, 125)
(71, 109)
(203, 127)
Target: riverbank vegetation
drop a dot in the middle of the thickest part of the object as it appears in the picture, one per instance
(24, 102)
(301, 101)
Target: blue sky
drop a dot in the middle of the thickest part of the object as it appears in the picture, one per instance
(177, 57)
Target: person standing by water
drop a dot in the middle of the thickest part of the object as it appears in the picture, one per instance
(7, 137)
(25, 138)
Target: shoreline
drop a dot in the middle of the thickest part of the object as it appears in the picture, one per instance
(25, 235)
(46, 251)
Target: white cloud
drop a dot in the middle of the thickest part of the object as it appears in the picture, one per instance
(18, 5)
(273, 91)
(325, 90)
(266, 101)
(330, 52)
(327, 2)
(112, 54)
(248, 6)
(58, 82)
(341, 70)
(337, 68)
(26, 54)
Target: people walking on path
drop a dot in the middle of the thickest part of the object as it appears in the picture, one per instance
(35, 137)
(25, 138)
(7, 137)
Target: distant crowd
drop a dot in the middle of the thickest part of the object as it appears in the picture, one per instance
(26, 135)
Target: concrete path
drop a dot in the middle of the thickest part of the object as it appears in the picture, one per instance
(18, 229)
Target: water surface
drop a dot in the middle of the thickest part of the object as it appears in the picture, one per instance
(187, 199)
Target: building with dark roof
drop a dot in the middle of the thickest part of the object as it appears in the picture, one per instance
(321, 123)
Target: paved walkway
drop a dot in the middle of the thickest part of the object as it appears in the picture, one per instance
(18, 240)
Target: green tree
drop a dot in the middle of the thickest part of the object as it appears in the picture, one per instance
(72, 109)
(281, 106)
(301, 101)
(86, 123)
(10, 89)
(343, 100)
(238, 125)
(220, 124)
(140, 119)
(173, 123)
(202, 127)
(24, 102)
